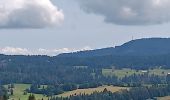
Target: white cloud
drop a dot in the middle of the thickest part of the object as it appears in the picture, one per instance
(13, 51)
(129, 12)
(29, 14)
(40, 51)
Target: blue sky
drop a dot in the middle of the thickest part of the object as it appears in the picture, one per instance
(84, 26)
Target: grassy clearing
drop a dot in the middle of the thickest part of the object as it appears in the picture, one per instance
(19, 90)
(120, 73)
(159, 71)
(164, 98)
(127, 72)
(91, 90)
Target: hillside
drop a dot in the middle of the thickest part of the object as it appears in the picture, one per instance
(69, 68)
(139, 47)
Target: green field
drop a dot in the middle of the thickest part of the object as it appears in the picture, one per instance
(164, 98)
(91, 90)
(127, 72)
(19, 90)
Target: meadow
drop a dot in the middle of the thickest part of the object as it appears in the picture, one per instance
(19, 93)
(91, 90)
(164, 98)
(19, 88)
(127, 72)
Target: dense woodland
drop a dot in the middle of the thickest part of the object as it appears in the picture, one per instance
(52, 70)
(61, 69)
(138, 47)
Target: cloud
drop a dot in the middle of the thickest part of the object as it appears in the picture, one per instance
(40, 51)
(129, 12)
(29, 14)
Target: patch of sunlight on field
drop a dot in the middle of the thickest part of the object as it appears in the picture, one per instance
(127, 72)
(120, 73)
(19, 90)
(159, 71)
(91, 90)
(164, 98)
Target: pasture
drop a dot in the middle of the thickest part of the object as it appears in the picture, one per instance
(127, 72)
(19, 88)
(19, 93)
(91, 90)
(164, 98)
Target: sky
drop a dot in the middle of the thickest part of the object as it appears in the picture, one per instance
(50, 27)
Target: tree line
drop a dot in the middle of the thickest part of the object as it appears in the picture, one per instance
(135, 80)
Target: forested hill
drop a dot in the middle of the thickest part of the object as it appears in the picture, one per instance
(139, 47)
(137, 54)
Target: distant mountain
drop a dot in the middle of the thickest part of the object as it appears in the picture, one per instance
(139, 47)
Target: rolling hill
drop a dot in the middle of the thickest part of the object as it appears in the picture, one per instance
(139, 47)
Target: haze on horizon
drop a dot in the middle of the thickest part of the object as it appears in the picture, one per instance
(55, 26)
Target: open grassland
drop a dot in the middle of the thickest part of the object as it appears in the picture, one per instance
(91, 90)
(127, 72)
(164, 98)
(159, 71)
(19, 90)
(120, 73)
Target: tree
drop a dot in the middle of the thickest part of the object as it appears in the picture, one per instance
(31, 97)
(168, 78)
(105, 90)
(12, 85)
(12, 92)
(5, 97)
(25, 93)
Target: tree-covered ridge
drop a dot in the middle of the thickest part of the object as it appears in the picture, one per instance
(78, 70)
(138, 47)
